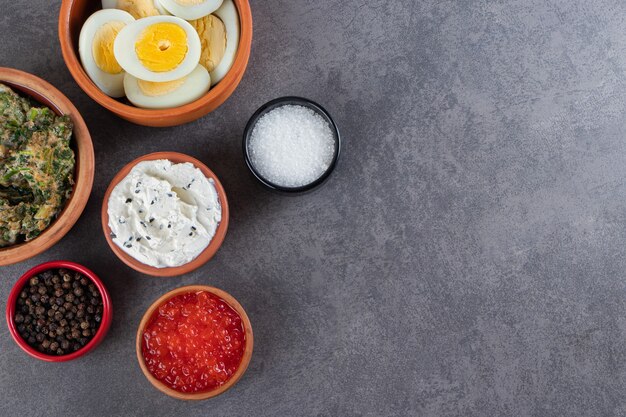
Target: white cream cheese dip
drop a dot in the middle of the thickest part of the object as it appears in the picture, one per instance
(164, 214)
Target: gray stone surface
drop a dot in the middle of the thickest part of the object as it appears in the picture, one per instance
(466, 258)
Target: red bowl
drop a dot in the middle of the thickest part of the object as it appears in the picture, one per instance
(107, 312)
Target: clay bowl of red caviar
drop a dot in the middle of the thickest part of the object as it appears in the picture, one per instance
(194, 342)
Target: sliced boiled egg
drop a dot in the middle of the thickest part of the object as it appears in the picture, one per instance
(137, 8)
(95, 47)
(212, 32)
(158, 48)
(227, 14)
(191, 9)
(152, 95)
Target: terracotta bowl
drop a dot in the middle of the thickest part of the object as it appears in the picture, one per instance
(245, 360)
(210, 250)
(47, 95)
(107, 311)
(71, 18)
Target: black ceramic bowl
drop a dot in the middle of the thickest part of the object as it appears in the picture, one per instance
(298, 101)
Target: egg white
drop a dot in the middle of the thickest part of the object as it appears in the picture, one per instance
(160, 8)
(195, 86)
(191, 12)
(228, 14)
(110, 84)
(112, 4)
(124, 49)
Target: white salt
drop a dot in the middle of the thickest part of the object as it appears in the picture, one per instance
(291, 146)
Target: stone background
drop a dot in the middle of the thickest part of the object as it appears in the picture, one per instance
(465, 259)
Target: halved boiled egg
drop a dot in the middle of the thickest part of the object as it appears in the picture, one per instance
(151, 95)
(191, 9)
(158, 48)
(137, 8)
(227, 14)
(95, 47)
(212, 32)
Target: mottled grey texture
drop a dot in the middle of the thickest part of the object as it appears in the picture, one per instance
(465, 259)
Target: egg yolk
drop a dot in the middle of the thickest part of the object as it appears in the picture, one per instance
(138, 8)
(212, 32)
(102, 47)
(162, 47)
(154, 89)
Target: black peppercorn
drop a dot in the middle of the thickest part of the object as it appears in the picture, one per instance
(56, 307)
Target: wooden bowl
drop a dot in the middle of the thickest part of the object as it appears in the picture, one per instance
(205, 255)
(245, 360)
(44, 93)
(71, 18)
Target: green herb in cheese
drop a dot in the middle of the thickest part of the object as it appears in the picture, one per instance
(36, 167)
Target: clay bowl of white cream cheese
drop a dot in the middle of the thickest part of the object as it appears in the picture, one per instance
(165, 214)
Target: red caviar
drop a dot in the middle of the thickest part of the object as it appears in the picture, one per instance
(194, 342)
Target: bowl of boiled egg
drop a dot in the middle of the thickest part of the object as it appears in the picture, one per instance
(157, 62)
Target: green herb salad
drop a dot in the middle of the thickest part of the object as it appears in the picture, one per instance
(36, 167)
